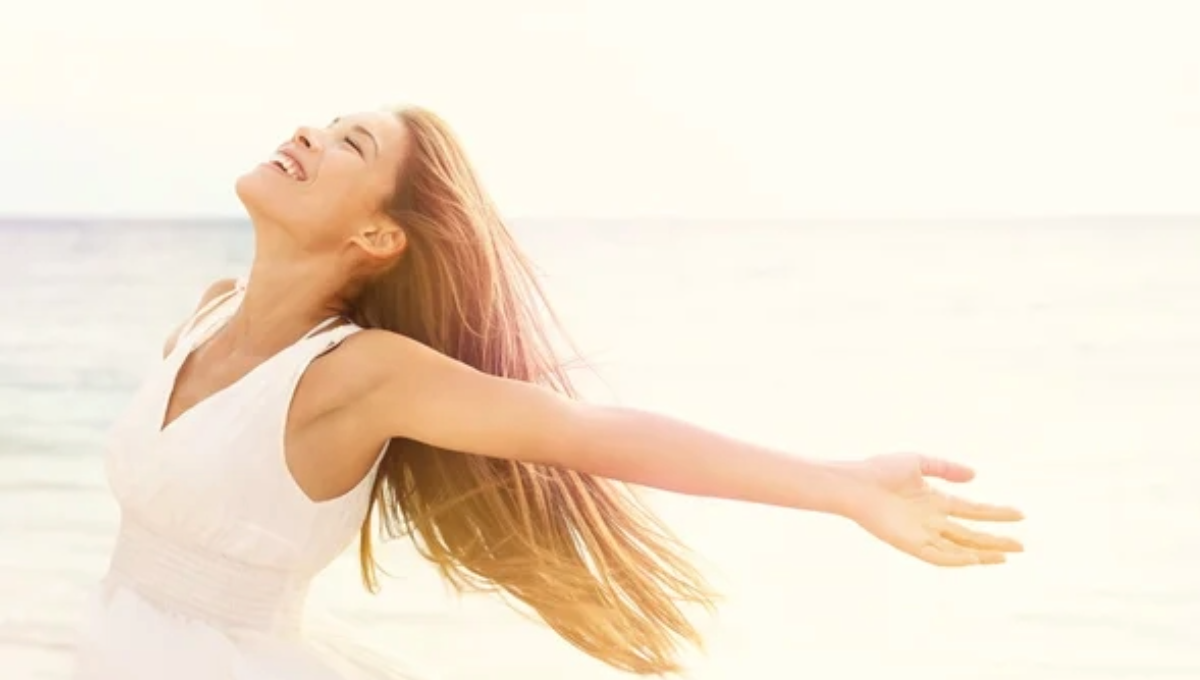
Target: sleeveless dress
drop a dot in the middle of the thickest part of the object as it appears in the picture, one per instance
(217, 544)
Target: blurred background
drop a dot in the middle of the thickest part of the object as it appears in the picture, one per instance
(966, 228)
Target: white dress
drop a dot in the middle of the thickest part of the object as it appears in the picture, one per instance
(217, 544)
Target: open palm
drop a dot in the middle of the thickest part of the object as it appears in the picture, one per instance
(901, 508)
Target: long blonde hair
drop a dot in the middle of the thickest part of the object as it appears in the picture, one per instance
(582, 552)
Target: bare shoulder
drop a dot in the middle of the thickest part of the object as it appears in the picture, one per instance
(374, 344)
(372, 357)
(335, 397)
(340, 381)
(396, 387)
(387, 355)
(377, 372)
(214, 290)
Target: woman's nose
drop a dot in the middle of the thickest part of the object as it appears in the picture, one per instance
(305, 137)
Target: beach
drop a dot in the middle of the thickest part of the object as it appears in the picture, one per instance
(1060, 357)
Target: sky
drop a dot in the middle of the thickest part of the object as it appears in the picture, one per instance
(622, 108)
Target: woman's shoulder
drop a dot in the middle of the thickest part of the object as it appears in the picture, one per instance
(372, 353)
(378, 352)
(366, 361)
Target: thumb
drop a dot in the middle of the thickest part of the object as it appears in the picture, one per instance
(945, 469)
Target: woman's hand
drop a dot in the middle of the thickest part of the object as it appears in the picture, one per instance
(898, 506)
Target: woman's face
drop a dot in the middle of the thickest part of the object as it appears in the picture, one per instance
(326, 185)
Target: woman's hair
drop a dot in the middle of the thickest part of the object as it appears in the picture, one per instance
(582, 552)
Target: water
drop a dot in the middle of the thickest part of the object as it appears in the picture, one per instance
(1062, 358)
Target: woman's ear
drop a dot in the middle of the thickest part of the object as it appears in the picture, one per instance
(382, 239)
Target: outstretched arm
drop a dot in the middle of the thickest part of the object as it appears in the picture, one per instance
(425, 396)
(431, 398)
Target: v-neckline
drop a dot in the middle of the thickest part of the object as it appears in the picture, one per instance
(186, 352)
(193, 341)
(194, 344)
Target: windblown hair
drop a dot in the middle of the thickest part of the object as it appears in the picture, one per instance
(582, 552)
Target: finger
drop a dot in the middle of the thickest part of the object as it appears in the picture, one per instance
(945, 469)
(943, 553)
(978, 540)
(982, 512)
(990, 557)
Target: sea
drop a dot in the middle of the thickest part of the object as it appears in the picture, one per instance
(1060, 357)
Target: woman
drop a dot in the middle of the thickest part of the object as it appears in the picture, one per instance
(387, 354)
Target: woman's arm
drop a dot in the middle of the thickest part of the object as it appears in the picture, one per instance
(425, 396)
(419, 394)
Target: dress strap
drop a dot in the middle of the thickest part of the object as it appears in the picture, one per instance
(322, 327)
(206, 312)
(326, 340)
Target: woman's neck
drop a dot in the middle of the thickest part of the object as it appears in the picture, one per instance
(284, 299)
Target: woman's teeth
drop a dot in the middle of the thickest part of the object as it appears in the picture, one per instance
(288, 165)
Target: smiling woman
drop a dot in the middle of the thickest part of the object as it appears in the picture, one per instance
(388, 358)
